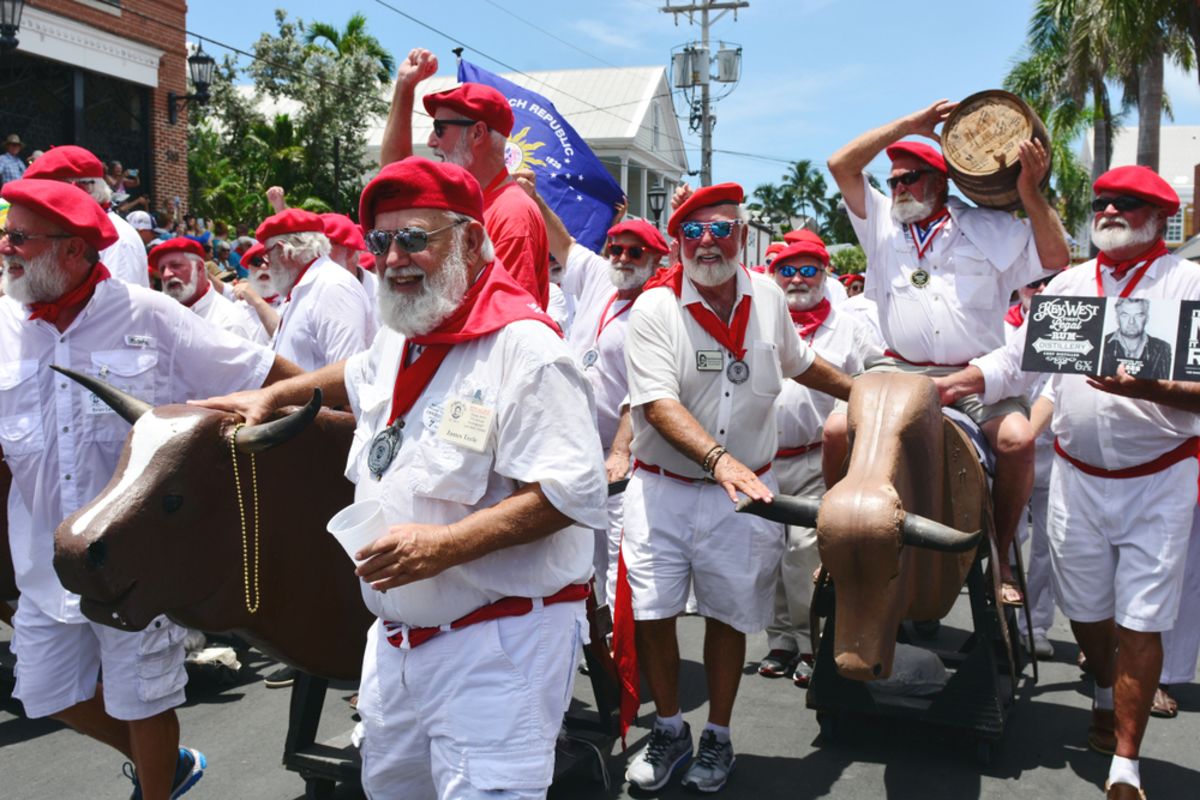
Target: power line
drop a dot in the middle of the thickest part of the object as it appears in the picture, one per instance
(553, 36)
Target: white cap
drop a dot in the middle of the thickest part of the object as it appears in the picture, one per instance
(140, 220)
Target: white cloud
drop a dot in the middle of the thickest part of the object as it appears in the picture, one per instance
(605, 34)
(1184, 91)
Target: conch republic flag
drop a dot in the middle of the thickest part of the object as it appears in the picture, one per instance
(570, 178)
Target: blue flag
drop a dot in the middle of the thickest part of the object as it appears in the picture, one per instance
(570, 178)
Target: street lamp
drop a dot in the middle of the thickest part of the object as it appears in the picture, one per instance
(200, 67)
(10, 23)
(657, 197)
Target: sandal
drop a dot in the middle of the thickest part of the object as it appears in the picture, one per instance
(1164, 705)
(1010, 594)
(777, 663)
(1082, 662)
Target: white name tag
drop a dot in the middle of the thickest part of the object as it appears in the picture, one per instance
(710, 360)
(132, 340)
(466, 424)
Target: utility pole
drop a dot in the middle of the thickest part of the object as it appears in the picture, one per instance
(706, 116)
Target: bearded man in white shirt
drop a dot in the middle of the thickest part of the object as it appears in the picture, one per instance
(180, 262)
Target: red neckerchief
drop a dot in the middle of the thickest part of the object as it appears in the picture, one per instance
(495, 184)
(808, 320)
(924, 231)
(207, 285)
(492, 302)
(732, 336)
(1015, 315)
(80, 294)
(604, 323)
(299, 278)
(1121, 268)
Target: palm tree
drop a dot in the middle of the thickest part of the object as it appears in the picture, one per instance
(809, 189)
(353, 39)
(774, 205)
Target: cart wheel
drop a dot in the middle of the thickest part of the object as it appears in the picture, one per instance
(983, 752)
(829, 726)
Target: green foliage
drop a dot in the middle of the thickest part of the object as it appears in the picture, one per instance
(849, 260)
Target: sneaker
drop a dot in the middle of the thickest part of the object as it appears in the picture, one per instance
(804, 671)
(663, 754)
(1041, 647)
(714, 761)
(777, 663)
(188, 771)
(281, 678)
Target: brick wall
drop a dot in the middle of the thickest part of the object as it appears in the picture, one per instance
(160, 24)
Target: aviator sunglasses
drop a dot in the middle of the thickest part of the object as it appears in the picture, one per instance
(722, 229)
(1122, 202)
(17, 238)
(908, 178)
(634, 250)
(439, 125)
(806, 271)
(411, 240)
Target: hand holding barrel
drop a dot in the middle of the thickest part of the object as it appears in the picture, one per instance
(1035, 162)
(923, 122)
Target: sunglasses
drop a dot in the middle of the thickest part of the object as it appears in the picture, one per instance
(722, 229)
(806, 271)
(634, 251)
(411, 240)
(908, 178)
(1122, 202)
(439, 125)
(256, 262)
(18, 238)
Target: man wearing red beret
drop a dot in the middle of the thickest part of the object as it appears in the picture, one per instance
(706, 348)
(476, 434)
(126, 257)
(346, 245)
(1123, 482)
(256, 290)
(941, 274)
(471, 124)
(180, 262)
(800, 270)
(326, 315)
(60, 308)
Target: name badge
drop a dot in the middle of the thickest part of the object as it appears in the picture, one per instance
(466, 424)
(710, 360)
(133, 340)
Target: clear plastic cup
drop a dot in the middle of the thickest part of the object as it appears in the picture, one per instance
(358, 525)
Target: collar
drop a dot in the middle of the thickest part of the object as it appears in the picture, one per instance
(688, 293)
(310, 274)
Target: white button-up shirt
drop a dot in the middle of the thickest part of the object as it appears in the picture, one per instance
(1098, 428)
(329, 317)
(126, 258)
(540, 430)
(663, 346)
(972, 266)
(230, 315)
(61, 442)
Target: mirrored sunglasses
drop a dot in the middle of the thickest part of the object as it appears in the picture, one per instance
(1124, 202)
(635, 251)
(721, 229)
(410, 240)
(806, 271)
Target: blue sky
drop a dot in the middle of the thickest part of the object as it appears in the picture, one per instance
(815, 73)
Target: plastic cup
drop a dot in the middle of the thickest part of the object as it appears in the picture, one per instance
(358, 525)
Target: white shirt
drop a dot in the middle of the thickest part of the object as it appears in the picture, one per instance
(835, 293)
(126, 258)
(370, 284)
(233, 316)
(1098, 428)
(865, 310)
(327, 319)
(973, 264)
(559, 309)
(663, 345)
(587, 276)
(541, 431)
(843, 341)
(62, 443)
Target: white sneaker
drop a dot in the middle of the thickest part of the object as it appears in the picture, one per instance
(714, 761)
(663, 754)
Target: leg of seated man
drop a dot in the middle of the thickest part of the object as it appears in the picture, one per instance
(724, 655)
(658, 656)
(1011, 438)
(835, 445)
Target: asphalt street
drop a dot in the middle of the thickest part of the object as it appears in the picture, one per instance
(240, 726)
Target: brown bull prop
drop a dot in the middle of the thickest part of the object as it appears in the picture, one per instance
(175, 533)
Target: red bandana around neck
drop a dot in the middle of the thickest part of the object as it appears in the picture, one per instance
(1121, 268)
(1015, 315)
(925, 231)
(80, 294)
(732, 336)
(808, 320)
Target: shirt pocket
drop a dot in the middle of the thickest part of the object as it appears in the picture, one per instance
(443, 471)
(131, 371)
(21, 433)
(766, 379)
(974, 279)
(373, 405)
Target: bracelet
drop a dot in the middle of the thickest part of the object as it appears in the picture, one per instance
(713, 470)
(711, 458)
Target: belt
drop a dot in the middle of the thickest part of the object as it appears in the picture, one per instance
(1189, 449)
(399, 633)
(894, 354)
(660, 471)
(792, 452)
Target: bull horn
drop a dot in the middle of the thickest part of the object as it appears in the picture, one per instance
(265, 435)
(126, 405)
(921, 531)
(785, 508)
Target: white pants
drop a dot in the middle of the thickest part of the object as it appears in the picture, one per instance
(608, 542)
(1118, 545)
(1181, 644)
(471, 713)
(789, 630)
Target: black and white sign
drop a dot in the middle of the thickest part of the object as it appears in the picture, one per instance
(1064, 335)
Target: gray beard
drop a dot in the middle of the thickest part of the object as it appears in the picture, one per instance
(281, 278)
(911, 211)
(633, 279)
(183, 292)
(804, 299)
(440, 295)
(461, 154)
(706, 275)
(42, 282)
(1125, 236)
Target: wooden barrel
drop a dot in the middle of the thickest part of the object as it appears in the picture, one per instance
(980, 140)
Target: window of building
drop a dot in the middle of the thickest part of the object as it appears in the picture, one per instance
(1175, 227)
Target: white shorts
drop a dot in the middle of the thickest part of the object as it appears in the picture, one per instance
(59, 663)
(471, 713)
(680, 534)
(1118, 545)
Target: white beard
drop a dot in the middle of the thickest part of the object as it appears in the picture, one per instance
(907, 210)
(802, 298)
(281, 278)
(709, 274)
(183, 292)
(1122, 235)
(460, 154)
(42, 281)
(632, 278)
(413, 315)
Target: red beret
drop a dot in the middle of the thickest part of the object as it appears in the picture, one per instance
(803, 235)
(1140, 182)
(651, 237)
(477, 102)
(927, 153)
(65, 163)
(290, 220)
(851, 277)
(180, 244)
(775, 247)
(416, 182)
(702, 198)
(340, 229)
(256, 250)
(805, 247)
(64, 205)
(366, 261)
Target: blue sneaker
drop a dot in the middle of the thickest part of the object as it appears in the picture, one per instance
(188, 771)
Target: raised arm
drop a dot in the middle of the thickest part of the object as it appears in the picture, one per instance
(1048, 233)
(397, 134)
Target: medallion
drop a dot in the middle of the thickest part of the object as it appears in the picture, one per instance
(383, 450)
(920, 278)
(590, 357)
(737, 372)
